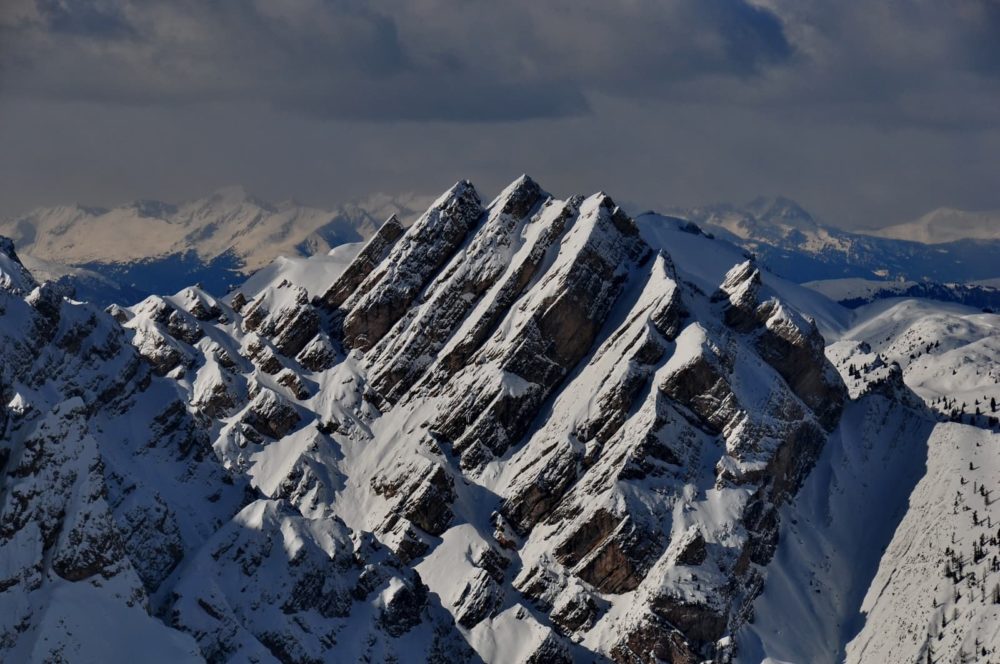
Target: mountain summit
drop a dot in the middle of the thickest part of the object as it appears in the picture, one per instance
(529, 430)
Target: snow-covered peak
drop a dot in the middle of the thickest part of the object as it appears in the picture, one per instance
(537, 430)
(779, 209)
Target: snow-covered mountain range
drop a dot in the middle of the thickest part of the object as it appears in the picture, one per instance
(858, 292)
(527, 430)
(123, 254)
(791, 243)
(114, 255)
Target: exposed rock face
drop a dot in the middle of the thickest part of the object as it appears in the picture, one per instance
(294, 383)
(271, 415)
(200, 304)
(385, 294)
(14, 278)
(217, 392)
(552, 330)
(319, 354)
(364, 264)
(523, 427)
(404, 354)
(785, 341)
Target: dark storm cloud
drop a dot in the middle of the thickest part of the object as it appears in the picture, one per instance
(414, 60)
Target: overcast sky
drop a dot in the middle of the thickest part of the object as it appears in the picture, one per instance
(866, 112)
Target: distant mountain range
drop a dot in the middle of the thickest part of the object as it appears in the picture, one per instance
(946, 225)
(856, 268)
(125, 253)
(858, 292)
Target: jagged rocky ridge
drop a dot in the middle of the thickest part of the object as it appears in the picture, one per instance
(121, 531)
(531, 430)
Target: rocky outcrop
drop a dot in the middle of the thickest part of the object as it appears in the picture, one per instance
(14, 278)
(491, 403)
(421, 494)
(270, 414)
(401, 357)
(522, 270)
(293, 325)
(272, 583)
(318, 354)
(385, 294)
(620, 369)
(602, 481)
(374, 252)
(786, 341)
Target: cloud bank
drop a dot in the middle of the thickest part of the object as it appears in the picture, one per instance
(463, 71)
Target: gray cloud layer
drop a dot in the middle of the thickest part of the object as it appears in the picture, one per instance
(827, 101)
(410, 60)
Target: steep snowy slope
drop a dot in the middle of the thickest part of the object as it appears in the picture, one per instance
(936, 595)
(889, 552)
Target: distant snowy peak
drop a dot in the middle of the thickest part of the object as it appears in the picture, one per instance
(768, 220)
(945, 225)
(778, 209)
(857, 292)
(121, 255)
